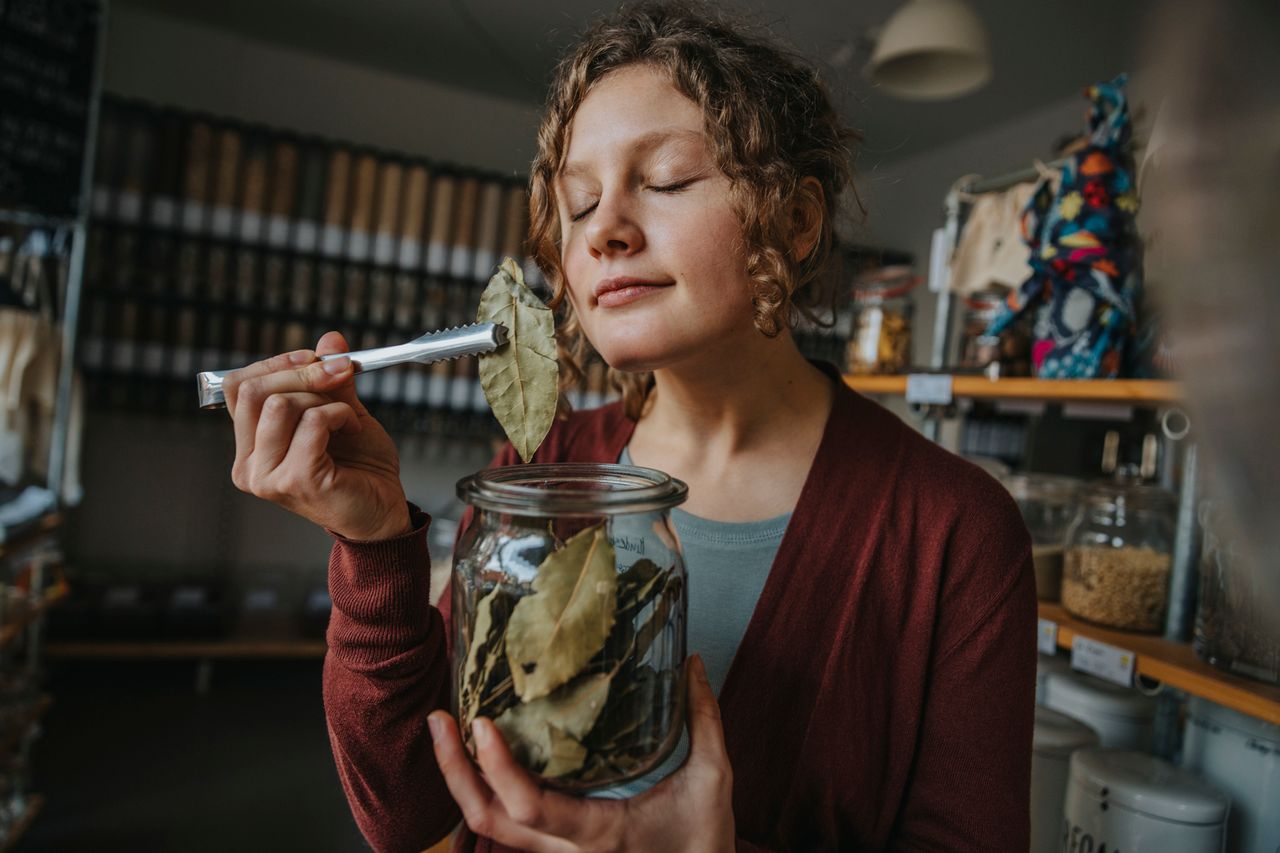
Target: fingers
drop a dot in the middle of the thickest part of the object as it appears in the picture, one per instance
(706, 734)
(481, 809)
(307, 451)
(254, 395)
(521, 798)
(285, 361)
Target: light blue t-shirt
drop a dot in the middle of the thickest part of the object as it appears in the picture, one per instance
(727, 565)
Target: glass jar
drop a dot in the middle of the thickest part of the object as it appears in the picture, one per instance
(1048, 504)
(1009, 352)
(1236, 625)
(880, 341)
(1119, 549)
(569, 618)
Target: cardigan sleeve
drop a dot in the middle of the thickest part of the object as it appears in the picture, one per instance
(969, 788)
(386, 669)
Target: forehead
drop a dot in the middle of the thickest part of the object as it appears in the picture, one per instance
(631, 110)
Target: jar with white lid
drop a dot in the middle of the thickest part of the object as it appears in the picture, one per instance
(1056, 737)
(1118, 555)
(1122, 716)
(1122, 801)
(569, 615)
(1241, 755)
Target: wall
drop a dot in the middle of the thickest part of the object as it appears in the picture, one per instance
(173, 62)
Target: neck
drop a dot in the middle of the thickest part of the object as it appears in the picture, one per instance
(739, 401)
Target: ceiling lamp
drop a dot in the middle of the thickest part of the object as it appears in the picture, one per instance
(931, 50)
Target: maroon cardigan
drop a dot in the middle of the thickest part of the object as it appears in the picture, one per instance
(881, 698)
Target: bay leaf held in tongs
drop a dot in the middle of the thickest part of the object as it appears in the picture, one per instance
(520, 381)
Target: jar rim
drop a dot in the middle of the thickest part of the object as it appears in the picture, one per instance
(1107, 491)
(1032, 485)
(547, 489)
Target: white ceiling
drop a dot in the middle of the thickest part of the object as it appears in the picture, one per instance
(1043, 50)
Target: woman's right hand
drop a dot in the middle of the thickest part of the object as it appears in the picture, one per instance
(305, 442)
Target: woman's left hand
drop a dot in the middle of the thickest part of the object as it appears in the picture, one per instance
(690, 810)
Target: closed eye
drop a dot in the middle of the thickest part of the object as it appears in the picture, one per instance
(581, 215)
(673, 188)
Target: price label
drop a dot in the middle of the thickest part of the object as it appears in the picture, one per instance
(929, 389)
(1110, 663)
(1047, 637)
(188, 596)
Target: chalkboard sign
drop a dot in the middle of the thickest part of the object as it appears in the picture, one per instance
(47, 55)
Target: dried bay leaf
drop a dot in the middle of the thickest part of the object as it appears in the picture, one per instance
(554, 632)
(485, 652)
(548, 732)
(520, 380)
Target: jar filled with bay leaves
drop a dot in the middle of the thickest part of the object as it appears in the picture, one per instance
(569, 618)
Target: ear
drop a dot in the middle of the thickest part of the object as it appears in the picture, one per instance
(807, 213)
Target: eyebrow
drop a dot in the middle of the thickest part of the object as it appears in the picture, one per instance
(646, 142)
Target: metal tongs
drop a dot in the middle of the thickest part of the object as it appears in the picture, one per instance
(474, 339)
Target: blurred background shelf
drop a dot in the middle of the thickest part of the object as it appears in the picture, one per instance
(1068, 390)
(1174, 664)
(230, 649)
(15, 627)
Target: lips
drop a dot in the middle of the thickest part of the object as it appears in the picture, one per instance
(622, 290)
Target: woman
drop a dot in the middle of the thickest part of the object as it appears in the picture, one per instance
(869, 627)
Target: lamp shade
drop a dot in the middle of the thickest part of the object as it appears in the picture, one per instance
(931, 50)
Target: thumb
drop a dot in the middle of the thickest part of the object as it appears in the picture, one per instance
(706, 734)
(331, 343)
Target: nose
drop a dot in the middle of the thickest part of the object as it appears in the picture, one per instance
(613, 229)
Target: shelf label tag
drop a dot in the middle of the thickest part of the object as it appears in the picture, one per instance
(1047, 637)
(1109, 663)
(929, 389)
(261, 599)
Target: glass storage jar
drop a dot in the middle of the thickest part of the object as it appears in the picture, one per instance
(569, 618)
(1119, 549)
(1236, 625)
(1005, 354)
(1048, 504)
(880, 341)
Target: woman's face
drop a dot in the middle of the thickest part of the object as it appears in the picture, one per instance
(651, 246)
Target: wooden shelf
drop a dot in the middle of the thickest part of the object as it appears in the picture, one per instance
(230, 649)
(34, 803)
(11, 629)
(27, 535)
(1120, 391)
(1174, 664)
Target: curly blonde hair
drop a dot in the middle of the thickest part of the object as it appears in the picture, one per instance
(770, 123)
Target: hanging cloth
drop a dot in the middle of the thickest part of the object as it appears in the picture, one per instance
(991, 252)
(1084, 283)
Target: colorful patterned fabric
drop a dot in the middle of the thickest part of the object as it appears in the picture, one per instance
(1084, 284)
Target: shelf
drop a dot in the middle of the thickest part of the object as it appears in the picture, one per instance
(1174, 664)
(31, 533)
(15, 627)
(1121, 391)
(34, 803)
(231, 649)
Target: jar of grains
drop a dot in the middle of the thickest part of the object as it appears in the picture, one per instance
(1119, 549)
(1048, 504)
(880, 341)
(569, 618)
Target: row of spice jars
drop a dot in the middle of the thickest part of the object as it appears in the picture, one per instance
(1106, 551)
(880, 339)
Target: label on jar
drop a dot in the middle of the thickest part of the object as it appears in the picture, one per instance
(1110, 663)
(1047, 637)
(929, 389)
(1077, 839)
